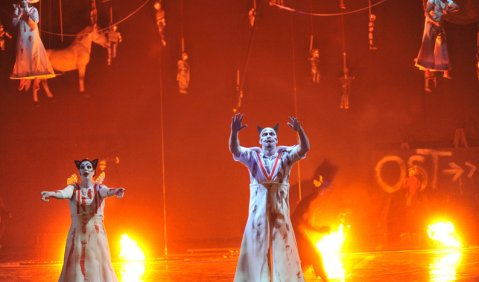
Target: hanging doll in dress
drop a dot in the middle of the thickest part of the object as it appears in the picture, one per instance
(314, 60)
(183, 75)
(31, 62)
(114, 38)
(433, 56)
(3, 34)
(372, 19)
(87, 254)
(160, 21)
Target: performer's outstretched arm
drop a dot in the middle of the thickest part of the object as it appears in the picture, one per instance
(108, 192)
(66, 193)
(303, 139)
(236, 126)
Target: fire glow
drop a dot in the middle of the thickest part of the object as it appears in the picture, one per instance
(330, 248)
(133, 260)
(444, 234)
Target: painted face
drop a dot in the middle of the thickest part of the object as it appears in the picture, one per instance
(268, 137)
(86, 169)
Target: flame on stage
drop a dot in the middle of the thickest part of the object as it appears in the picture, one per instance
(330, 248)
(133, 260)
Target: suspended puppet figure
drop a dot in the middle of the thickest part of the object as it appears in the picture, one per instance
(160, 21)
(3, 34)
(372, 19)
(114, 38)
(433, 55)
(252, 16)
(93, 13)
(31, 62)
(183, 75)
(342, 5)
(314, 60)
(87, 254)
(268, 231)
(346, 81)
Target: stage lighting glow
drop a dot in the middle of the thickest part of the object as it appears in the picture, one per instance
(443, 268)
(133, 260)
(330, 248)
(444, 234)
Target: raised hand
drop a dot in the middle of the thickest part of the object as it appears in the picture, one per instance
(120, 192)
(45, 196)
(294, 123)
(237, 123)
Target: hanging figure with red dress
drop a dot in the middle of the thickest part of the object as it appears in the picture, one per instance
(31, 61)
(433, 55)
(314, 60)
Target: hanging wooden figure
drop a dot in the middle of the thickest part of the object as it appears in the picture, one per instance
(371, 25)
(314, 61)
(160, 21)
(114, 38)
(183, 75)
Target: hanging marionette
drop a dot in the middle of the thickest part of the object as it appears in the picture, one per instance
(87, 254)
(342, 5)
(3, 34)
(346, 81)
(114, 38)
(252, 16)
(31, 62)
(183, 75)
(314, 60)
(460, 137)
(433, 56)
(93, 13)
(372, 19)
(160, 21)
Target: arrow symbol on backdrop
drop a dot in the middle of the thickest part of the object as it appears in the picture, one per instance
(472, 171)
(454, 169)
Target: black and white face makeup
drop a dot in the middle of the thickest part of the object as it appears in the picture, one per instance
(268, 138)
(86, 169)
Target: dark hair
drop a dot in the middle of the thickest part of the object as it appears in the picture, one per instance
(94, 163)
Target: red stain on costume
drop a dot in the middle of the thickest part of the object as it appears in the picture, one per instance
(82, 259)
(97, 229)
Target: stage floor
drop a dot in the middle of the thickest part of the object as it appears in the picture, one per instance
(409, 265)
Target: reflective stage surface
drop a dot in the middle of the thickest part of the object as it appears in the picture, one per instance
(410, 265)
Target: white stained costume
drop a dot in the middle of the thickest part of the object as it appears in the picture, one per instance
(269, 223)
(87, 255)
(31, 58)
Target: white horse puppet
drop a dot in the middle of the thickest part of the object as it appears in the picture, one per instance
(77, 54)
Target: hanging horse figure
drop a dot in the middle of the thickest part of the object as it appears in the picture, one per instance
(77, 55)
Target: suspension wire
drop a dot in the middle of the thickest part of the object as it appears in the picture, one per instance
(295, 93)
(289, 9)
(182, 27)
(61, 20)
(162, 137)
(242, 78)
(105, 28)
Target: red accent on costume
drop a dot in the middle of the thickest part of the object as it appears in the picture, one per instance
(268, 176)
